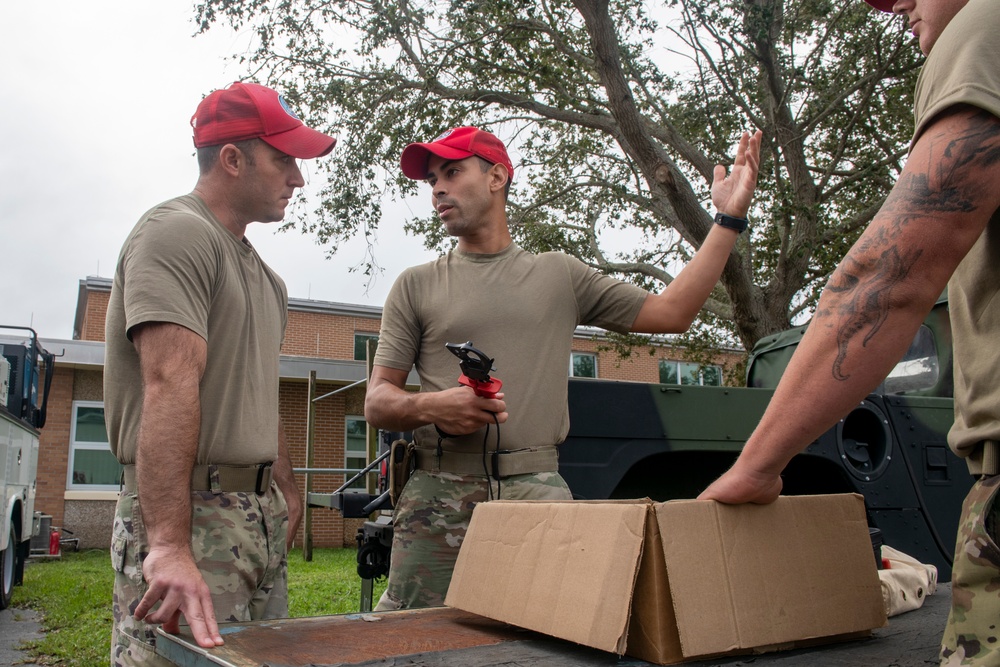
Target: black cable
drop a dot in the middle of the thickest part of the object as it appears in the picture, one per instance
(497, 422)
(486, 468)
(486, 437)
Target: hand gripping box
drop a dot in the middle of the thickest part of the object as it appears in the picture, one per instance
(674, 581)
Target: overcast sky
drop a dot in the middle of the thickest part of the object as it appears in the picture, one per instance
(94, 113)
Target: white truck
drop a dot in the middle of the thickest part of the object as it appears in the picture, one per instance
(23, 398)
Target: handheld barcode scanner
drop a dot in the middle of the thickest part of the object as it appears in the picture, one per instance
(476, 367)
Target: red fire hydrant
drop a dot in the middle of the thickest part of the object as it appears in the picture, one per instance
(54, 542)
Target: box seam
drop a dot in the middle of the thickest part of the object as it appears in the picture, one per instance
(728, 575)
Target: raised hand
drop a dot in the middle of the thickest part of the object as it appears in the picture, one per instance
(732, 194)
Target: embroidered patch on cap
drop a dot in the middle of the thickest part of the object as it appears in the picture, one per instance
(288, 109)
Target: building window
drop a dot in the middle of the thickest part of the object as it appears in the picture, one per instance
(355, 449)
(92, 466)
(360, 345)
(583, 365)
(689, 373)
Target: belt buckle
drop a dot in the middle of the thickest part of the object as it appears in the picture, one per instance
(262, 486)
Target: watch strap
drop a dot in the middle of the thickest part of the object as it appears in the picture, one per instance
(729, 222)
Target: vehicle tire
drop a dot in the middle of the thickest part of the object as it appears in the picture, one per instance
(8, 566)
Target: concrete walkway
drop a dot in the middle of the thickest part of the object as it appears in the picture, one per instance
(16, 627)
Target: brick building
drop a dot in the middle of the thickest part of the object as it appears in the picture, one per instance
(77, 475)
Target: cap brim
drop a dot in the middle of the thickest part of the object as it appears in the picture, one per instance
(302, 143)
(882, 5)
(414, 159)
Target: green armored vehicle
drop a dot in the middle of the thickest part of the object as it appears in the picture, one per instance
(630, 440)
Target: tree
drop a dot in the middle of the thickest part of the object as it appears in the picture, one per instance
(618, 111)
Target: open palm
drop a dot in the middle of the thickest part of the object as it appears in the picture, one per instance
(732, 194)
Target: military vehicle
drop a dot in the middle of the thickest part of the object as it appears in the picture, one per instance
(630, 440)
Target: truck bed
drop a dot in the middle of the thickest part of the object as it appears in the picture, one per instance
(443, 637)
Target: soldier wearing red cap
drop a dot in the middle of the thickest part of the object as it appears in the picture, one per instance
(938, 228)
(521, 309)
(194, 327)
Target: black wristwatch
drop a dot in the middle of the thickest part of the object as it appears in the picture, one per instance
(729, 222)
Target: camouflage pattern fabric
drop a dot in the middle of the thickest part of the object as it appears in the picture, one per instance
(239, 544)
(430, 522)
(972, 636)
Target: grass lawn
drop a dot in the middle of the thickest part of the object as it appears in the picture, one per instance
(73, 596)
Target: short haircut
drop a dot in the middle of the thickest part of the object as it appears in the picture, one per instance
(208, 156)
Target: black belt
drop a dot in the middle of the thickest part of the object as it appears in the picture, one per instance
(218, 478)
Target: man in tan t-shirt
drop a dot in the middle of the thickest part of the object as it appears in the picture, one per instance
(193, 333)
(521, 309)
(938, 227)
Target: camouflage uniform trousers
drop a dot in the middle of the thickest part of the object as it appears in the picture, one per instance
(971, 636)
(430, 522)
(239, 544)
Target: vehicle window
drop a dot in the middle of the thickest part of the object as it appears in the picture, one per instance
(918, 369)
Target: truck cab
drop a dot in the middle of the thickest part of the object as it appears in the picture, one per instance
(23, 399)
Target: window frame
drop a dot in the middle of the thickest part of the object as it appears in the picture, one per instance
(677, 363)
(365, 335)
(572, 366)
(75, 446)
(361, 486)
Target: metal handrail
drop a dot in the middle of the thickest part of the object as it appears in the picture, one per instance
(344, 388)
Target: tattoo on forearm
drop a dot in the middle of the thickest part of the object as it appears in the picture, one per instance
(883, 258)
(868, 302)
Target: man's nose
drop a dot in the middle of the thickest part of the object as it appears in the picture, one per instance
(296, 179)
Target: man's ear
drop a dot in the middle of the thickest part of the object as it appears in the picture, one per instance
(498, 177)
(231, 159)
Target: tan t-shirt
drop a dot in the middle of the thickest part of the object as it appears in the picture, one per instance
(519, 308)
(180, 265)
(962, 68)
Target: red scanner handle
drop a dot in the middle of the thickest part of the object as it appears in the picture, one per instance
(483, 389)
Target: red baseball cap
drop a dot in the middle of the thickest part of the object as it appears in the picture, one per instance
(882, 5)
(250, 111)
(455, 144)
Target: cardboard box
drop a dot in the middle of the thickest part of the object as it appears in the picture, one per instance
(675, 581)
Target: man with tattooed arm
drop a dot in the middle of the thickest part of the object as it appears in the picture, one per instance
(939, 227)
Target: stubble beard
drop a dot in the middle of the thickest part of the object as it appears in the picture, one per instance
(459, 226)
(456, 227)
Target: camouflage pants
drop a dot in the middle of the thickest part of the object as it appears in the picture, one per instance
(251, 585)
(430, 522)
(971, 636)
